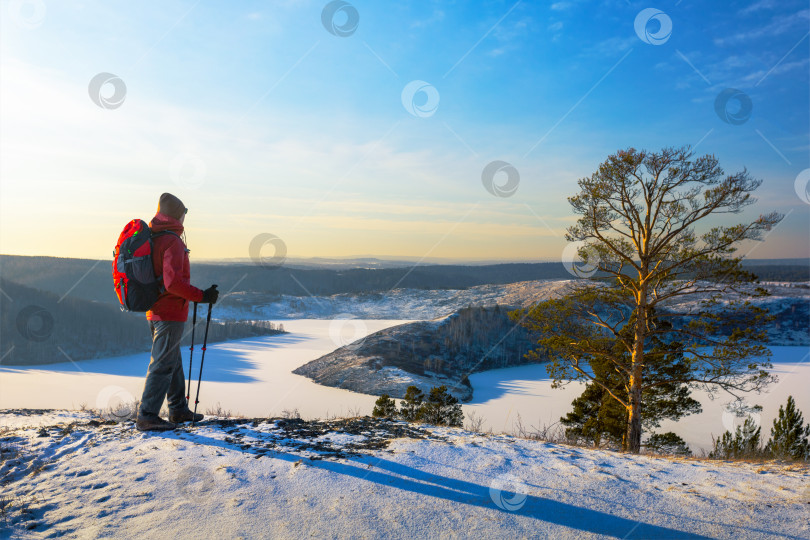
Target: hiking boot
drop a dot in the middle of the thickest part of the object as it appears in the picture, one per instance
(153, 423)
(184, 415)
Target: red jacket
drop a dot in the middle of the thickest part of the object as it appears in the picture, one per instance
(170, 260)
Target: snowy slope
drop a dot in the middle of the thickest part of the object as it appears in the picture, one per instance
(370, 479)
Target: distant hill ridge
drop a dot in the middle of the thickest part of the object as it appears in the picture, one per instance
(91, 280)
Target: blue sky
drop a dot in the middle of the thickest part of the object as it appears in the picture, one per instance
(263, 121)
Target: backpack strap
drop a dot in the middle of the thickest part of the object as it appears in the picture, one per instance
(161, 233)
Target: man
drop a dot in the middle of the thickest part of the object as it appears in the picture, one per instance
(164, 377)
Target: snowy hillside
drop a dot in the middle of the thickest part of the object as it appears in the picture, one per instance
(421, 304)
(65, 473)
(424, 354)
(788, 301)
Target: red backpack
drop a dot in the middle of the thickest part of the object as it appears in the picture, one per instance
(134, 278)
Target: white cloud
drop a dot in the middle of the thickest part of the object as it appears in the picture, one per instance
(779, 25)
(757, 76)
(610, 47)
(759, 6)
(435, 17)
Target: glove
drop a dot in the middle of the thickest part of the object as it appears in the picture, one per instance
(210, 295)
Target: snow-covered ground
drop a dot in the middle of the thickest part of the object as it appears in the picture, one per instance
(276, 479)
(253, 377)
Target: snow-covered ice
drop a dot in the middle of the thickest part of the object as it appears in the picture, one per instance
(251, 376)
(502, 394)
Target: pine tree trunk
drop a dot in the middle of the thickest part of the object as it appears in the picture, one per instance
(633, 439)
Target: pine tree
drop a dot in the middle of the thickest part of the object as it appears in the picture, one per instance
(598, 417)
(648, 227)
(790, 438)
(384, 407)
(411, 407)
(745, 442)
(442, 408)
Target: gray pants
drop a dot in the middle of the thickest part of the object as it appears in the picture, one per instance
(164, 377)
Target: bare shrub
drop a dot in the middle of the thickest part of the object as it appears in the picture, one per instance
(353, 412)
(218, 411)
(549, 433)
(475, 422)
(291, 414)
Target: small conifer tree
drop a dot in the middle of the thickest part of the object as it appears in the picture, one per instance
(411, 406)
(384, 407)
(668, 443)
(442, 408)
(790, 437)
(745, 442)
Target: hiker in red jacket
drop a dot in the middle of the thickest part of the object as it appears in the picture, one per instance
(164, 377)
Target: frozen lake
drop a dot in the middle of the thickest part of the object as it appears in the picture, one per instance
(502, 394)
(253, 377)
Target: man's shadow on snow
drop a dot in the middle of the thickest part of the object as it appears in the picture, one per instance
(373, 468)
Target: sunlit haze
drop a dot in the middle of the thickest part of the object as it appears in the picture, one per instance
(276, 117)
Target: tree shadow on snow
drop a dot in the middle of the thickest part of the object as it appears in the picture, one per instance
(516, 381)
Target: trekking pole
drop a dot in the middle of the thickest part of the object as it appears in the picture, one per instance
(202, 359)
(191, 351)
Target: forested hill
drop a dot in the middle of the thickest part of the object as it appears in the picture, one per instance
(91, 280)
(39, 327)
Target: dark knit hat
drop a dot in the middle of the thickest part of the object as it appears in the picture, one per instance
(170, 205)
